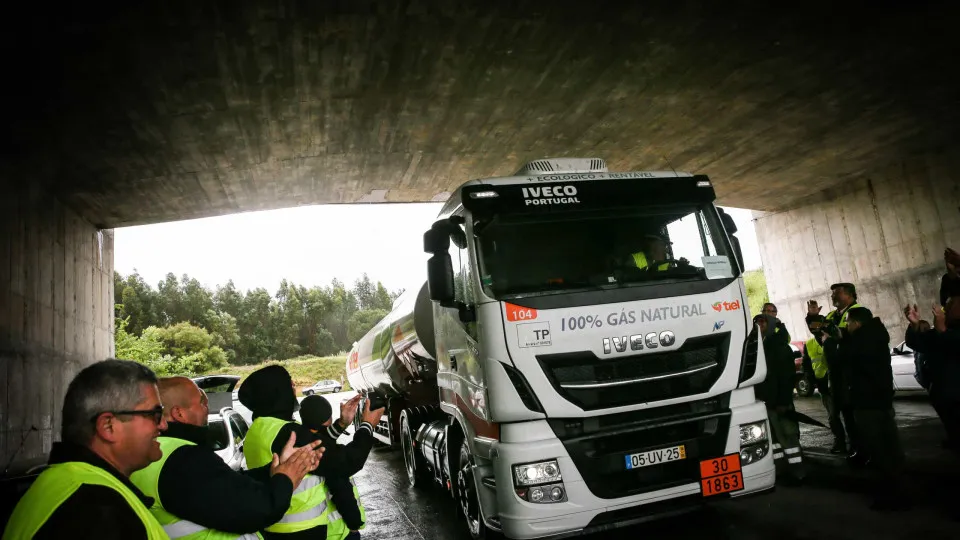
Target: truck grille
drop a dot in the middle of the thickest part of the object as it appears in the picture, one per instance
(598, 449)
(599, 383)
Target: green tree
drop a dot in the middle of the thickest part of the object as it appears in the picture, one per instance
(361, 322)
(757, 296)
(223, 328)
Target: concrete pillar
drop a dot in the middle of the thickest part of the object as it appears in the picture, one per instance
(56, 316)
(884, 232)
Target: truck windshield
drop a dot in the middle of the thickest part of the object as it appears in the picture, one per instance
(526, 254)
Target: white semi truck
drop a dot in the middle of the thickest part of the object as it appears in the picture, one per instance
(549, 383)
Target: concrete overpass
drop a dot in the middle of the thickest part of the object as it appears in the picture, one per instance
(838, 125)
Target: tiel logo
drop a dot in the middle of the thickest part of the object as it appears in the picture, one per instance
(726, 306)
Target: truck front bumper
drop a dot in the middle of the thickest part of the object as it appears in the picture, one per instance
(583, 511)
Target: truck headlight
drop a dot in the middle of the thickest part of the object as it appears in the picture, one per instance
(752, 433)
(543, 472)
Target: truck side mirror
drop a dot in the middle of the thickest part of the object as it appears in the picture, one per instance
(440, 278)
(436, 240)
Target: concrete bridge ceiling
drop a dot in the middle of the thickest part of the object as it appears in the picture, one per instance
(175, 110)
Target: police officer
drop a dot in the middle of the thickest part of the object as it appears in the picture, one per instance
(111, 420)
(329, 493)
(196, 494)
(844, 298)
(815, 362)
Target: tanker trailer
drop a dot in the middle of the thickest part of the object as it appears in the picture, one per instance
(394, 363)
(581, 357)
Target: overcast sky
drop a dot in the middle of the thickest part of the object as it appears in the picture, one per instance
(309, 245)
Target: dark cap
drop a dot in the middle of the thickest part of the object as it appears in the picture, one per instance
(816, 318)
(849, 287)
(314, 411)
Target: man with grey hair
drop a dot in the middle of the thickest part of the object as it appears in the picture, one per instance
(112, 417)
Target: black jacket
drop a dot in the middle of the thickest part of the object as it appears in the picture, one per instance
(949, 287)
(93, 511)
(776, 390)
(866, 353)
(196, 485)
(941, 352)
(268, 393)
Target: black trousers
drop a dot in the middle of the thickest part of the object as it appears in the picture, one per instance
(880, 439)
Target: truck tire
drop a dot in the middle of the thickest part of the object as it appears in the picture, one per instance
(416, 465)
(805, 387)
(467, 497)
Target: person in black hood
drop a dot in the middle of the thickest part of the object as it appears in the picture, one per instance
(776, 391)
(867, 352)
(270, 394)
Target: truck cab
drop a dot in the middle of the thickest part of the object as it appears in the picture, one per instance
(593, 366)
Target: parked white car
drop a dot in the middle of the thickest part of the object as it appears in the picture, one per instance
(324, 387)
(901, 360)
(227, 432)
(228, 429)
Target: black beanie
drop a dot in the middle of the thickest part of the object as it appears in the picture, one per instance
(314, 411)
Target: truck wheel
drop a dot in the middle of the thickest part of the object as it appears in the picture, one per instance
(414, 460)
(467, 495)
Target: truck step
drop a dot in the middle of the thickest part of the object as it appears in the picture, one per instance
(490, 481)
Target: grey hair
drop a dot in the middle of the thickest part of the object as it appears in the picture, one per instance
(109, 385)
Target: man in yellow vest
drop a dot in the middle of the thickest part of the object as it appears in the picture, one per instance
(270, 393)
(771, 309)
(317, 416)
(112, 417)
(198, 496)
(654, 251)
(844, 298)
(815, 361)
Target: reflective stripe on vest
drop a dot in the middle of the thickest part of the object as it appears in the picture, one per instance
(640, 259)
(55, 485)
(308, 506)
(148, 480)
(337, 529)
(817, 359)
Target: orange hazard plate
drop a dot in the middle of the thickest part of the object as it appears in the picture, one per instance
(721, 475)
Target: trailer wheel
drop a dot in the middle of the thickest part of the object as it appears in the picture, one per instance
(467, 495)
(415, 463)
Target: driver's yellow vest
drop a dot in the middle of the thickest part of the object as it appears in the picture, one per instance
(55, 485)
(309, 506)
(640, 259)
(148, 481)
(817, 359)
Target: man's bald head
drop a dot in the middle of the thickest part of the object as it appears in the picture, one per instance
(183, 401)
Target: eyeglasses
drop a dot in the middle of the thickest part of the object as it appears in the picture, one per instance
(156, 413)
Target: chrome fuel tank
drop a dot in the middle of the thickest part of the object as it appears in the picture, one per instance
(397, 357)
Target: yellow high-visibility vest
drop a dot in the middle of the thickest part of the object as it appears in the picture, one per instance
(309, 507)
(55, 485)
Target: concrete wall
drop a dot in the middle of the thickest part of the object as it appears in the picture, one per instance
(884, 232)
(56, 315)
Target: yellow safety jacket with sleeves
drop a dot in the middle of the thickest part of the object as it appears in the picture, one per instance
(309, 506)
(640, 259)
(817, 358)
(148, 481)
(55, 485)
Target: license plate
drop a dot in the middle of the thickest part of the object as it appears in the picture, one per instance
(721, 475)
(655, 457)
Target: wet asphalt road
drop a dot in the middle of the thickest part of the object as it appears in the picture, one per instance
(832, 504)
